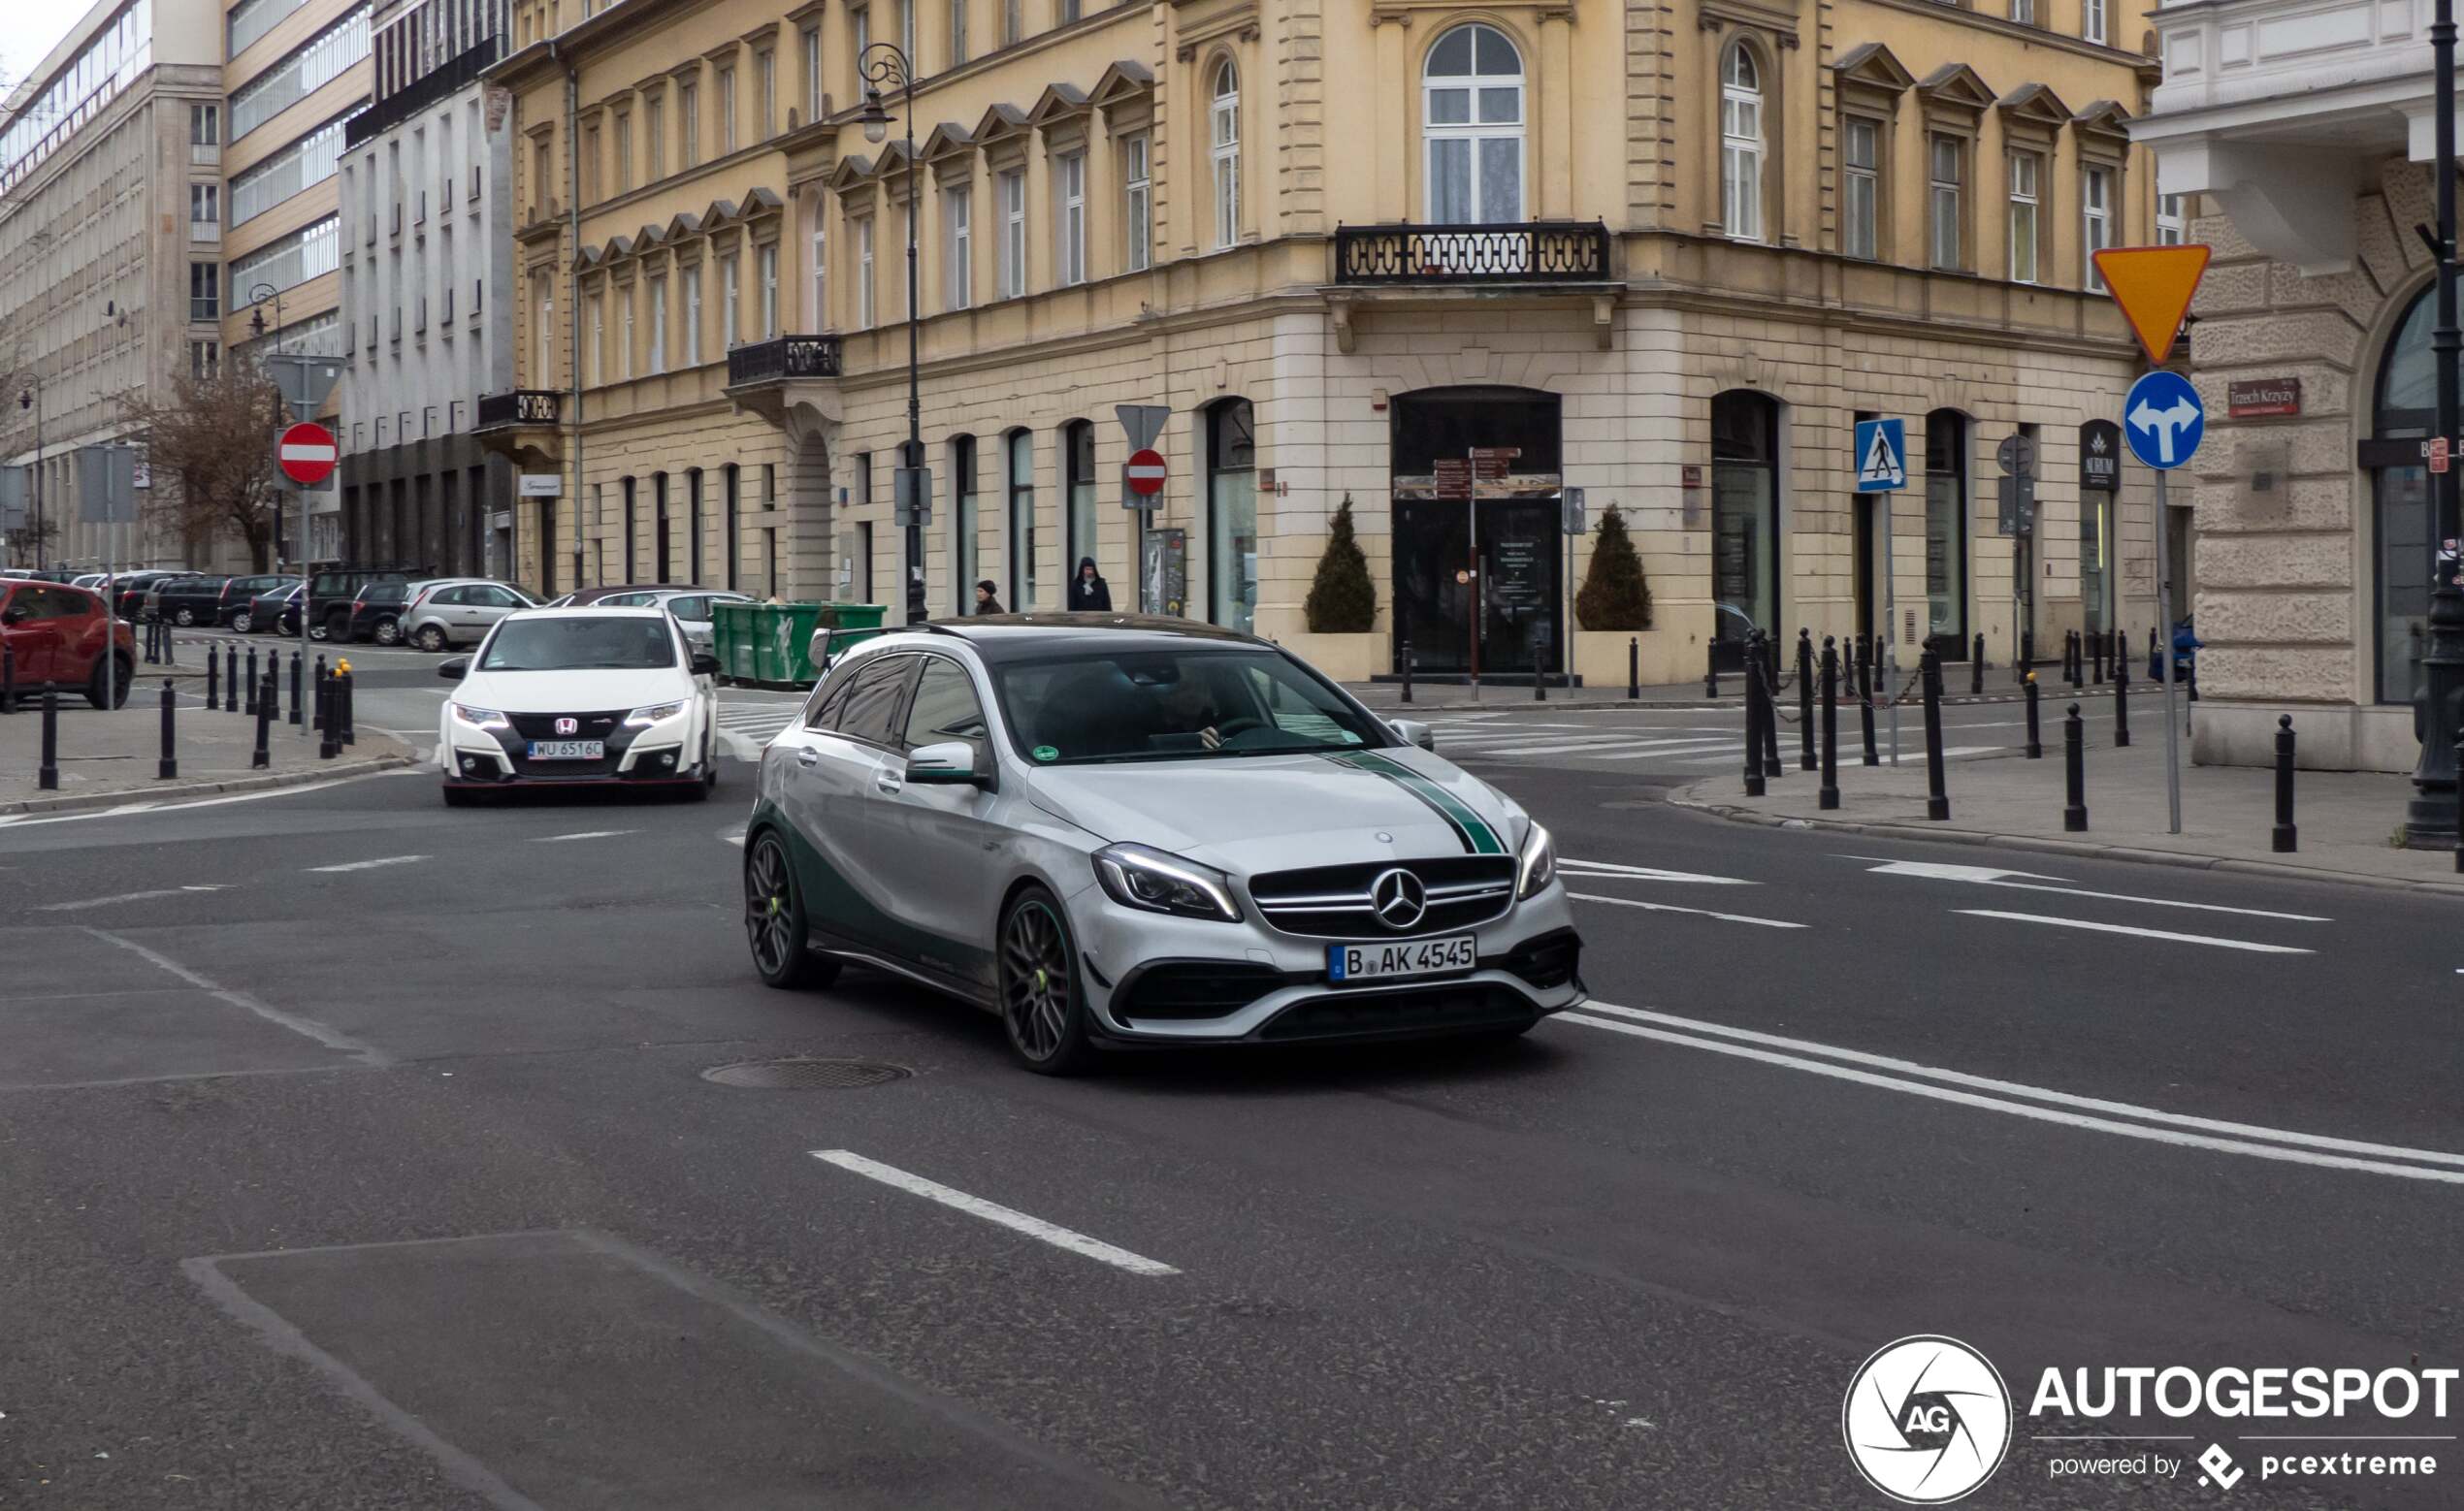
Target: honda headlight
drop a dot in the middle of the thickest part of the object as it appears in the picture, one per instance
(1538, 864)
(1137, 876)
(645, 717)
(479, 718)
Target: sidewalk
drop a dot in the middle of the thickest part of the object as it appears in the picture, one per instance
(107, 758)
(2347, 819)
(1427, 696)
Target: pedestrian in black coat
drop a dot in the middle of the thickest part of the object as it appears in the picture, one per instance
(1088, 593)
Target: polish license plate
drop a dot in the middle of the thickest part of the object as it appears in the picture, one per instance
(569, 750)
(1403, 957)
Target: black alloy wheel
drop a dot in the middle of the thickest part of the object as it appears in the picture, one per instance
(1042, 1011)
(775, 918)
(184, 617)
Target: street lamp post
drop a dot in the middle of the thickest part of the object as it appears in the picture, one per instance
(32, 398)
(884, 65)
(2431, 819)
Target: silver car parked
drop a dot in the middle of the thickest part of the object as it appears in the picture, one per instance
(459, 611)
(689, 607)
(1114, 830)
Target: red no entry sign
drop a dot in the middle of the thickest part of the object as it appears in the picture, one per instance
(1145, 472)
(306, 453)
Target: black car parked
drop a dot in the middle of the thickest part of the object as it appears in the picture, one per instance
(277, 609)
(185, 600)
(376, 610)
(331, 594)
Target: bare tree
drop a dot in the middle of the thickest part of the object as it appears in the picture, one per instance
(210, 441)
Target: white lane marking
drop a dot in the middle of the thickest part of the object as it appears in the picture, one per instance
(1701, 913)
(123, 810)
(1663, 748)
(329, 1038)
(1988, 876)
(1718, 1038)
(104, 902)
(993, 1213)
(1607, 868)
(733, 837)
(581, 834)
(371, 865)
(2137, 933)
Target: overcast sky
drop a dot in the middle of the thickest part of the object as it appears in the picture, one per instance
(35, 27)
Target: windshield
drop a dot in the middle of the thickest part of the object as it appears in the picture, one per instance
(1174, 705)
(592, 643)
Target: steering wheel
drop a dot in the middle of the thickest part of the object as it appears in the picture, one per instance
(1243, 725)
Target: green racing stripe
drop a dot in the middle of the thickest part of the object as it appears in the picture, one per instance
(1473, 830)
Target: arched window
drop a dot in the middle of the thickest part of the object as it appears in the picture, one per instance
(963, 540)
(1078, 483)
(1021, 463)
(1232, 514)
(1741, 145)
(1225, 132)
(2400, 512)
(1472, 125)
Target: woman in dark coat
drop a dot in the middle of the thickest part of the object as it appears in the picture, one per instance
(1088, 593)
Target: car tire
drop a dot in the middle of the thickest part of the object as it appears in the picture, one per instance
(242, 622)
(430, 638)
(774, 923)
(1043, 1012)
(315, 632)
(184, 618)
(388, 632)
(118, 692)
(710, 766)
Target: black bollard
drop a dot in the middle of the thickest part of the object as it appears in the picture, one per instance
(1755, 714)
(350, 735)
(327, 747)
(1865, 701)
(1806, 759)
(1710, 668)
(1937, 799)
(298, 673)
(1540, 674)
(2155, 668)
(2026, 654)
(46, 776)
(1976, 664)
(231, 679)
(2077, 659)
(263, 699)
(8, 679)
(2074, 758)
(1404, 658)
(1827, 797)
(167, 767)
(2100, 643)
(2121, 700)
(253, 682)
(2035, 746)
(2282, 841)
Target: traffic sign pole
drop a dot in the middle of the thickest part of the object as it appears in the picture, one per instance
(2165, 612)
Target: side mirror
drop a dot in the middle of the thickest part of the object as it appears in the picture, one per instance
(950, 763)
(1414, 732)
(454, 668)
(817, 650)
(13, 617)
(704, 664)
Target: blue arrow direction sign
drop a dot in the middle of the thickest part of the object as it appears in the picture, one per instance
(1881, 456)
(2162, 419)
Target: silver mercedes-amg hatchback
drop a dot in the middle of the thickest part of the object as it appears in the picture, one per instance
(1116, 830)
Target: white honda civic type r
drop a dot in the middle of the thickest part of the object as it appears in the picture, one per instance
(580, 696)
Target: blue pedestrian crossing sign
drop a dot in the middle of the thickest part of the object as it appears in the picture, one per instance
(1881, 455)
(2162, 419)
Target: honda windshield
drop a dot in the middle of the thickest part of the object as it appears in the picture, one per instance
(1174, 705)
(598, 642)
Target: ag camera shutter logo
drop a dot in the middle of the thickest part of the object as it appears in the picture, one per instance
(1928, 1420)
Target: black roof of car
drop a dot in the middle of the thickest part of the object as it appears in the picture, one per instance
(1015, 638)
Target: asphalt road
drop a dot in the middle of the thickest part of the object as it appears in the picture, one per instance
(359, 1153)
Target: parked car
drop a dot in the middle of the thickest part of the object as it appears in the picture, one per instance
(134, 588)
(627, 594)
(277, 610)
(461, 612)
(56, 637)
(692, 609)
(1144, 831)
(559, 698)
(378, 608)
(331, 594)
(186, 600)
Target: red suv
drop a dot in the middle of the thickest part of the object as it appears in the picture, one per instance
(54, 633)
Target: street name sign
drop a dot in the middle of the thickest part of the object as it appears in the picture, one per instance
(2162, 419)
(2153, 285)
(1881, 455)
(306, 453)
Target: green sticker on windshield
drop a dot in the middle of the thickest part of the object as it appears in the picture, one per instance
(1046, 753)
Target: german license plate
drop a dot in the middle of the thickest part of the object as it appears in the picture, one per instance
(1403, 957)
(569, 750)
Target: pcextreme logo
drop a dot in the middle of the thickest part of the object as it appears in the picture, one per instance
(1928, 1420)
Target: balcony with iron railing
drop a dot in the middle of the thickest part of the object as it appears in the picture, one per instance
(1505, 254)
(520, 407)
(783, 358)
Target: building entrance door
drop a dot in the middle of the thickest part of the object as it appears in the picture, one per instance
(1516, 577)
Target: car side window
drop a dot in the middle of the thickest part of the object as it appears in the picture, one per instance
(945, 708)
(874, 700)
(492, 598)
(696, 609)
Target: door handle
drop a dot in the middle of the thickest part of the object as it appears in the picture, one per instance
(806, 756)
(888, 781)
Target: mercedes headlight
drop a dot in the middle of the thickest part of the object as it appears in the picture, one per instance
(479, 718)
(645, 717)
(1538, 864)
(1138, 876)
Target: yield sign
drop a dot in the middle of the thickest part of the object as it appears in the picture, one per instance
(2153, 285)
(306, 453)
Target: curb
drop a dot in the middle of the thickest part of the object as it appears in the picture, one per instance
(175, 791)
(2184, 861)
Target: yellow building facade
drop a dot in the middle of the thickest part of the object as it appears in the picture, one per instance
(1666, 255)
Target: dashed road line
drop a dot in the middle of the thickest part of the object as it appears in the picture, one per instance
(1701, 913)
(329, 1038)
(106, 901)
(583, 834)
(993, 1213)
(370, 865)
(2168, 935)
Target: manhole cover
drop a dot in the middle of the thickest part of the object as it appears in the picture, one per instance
(806, 1074)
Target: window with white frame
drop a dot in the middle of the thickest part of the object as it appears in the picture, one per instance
(907, 291)
(1946, 159)
(1138, 198)
(1013, 22)
(957, 254)
(692, 316)
(1225, 135)
(730, 300)
(2023, 12)
(726, 111)
(205, 206)
(658, 325)
(769, 264)
(1860, 187)
(1012, 196)
(624, 336)
(2092, 20)
(654, 131)
(864, 285)
(2172, 222)
(689, 124)
(598, 339)
(957, 32)
(765, 94)
(860, 37)
(817, 247)
(1069, 238)
(1741, 145)
(812, 75)
(1472, 125)
(2096, 222)
(543, 326)
(907, 29)
(2022, 216)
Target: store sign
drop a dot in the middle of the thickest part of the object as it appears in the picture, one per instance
(2250, 399)
(2100, 457)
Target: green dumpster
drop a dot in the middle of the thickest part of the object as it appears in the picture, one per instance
(768, 644)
